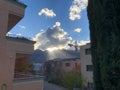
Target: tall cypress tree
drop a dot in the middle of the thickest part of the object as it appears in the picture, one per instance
(104, 19)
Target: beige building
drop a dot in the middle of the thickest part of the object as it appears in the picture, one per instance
(58, 67)
(86, 65)
(11, 12)
(71, 65)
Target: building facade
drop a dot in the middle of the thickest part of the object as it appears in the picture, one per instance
(11, 12)
(61, 66)
(86, 65)
(69, 65)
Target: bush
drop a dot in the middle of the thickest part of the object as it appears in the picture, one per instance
(68, 80)
(72, 80)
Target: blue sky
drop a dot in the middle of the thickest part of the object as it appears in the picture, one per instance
(40, 15)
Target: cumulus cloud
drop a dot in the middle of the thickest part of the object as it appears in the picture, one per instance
(76, 8)
(78, 30)
(54, 37)
(83, 42)
(21, 26)
(47, 12)
(78, 44)
(57, 24)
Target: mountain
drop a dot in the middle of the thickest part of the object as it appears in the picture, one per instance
(40, 56)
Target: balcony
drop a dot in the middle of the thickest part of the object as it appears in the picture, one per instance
(12, 12)
(17, 3)
(14, 16)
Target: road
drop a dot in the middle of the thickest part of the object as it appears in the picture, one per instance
(49, 86)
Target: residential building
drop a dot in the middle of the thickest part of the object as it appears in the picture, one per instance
(69, 65)
(86, 65)
(11, 48)
(61, 66)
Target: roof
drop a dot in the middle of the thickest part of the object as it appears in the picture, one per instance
(69, 59)
(60, 60)
(17, 2)
(20, 39)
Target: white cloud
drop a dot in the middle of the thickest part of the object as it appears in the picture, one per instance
(76, 8)
(19, 34)
(57, 24)
(78, 30)
(80, 43)
(21, 26)
(53, 38)
(47, 12)
(83, 42)
(9, 33)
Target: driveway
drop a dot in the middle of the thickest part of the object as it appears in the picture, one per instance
(49, 86)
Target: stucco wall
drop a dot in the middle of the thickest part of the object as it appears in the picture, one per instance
(86, 60)
(11, 7)
(15, 47)
(6, 61)
(72, 66)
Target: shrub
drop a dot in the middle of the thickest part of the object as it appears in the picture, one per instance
(72, 80)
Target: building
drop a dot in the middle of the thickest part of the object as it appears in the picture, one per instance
(86, 65)
(61, 66)
(11, 48)
(69, 65)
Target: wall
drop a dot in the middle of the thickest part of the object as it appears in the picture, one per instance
(15, 47)
(6, 61)
(86, 60)
(72, 66)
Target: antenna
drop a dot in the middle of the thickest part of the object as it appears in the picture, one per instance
(75, 45)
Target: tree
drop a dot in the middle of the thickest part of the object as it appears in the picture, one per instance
(104, 19)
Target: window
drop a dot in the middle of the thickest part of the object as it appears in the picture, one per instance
(75, 64)
(67, 64)
(87, 51)
(89, 68)
(4, 87)
(52, 65)
(90, 85)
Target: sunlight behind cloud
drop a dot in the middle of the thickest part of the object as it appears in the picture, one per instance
(52, 49)
(52, 39)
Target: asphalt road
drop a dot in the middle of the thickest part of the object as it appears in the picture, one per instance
(49, 86)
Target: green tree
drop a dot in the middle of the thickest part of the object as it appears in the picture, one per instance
(104, 19)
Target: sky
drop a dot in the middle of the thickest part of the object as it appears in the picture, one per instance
(54, 23)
